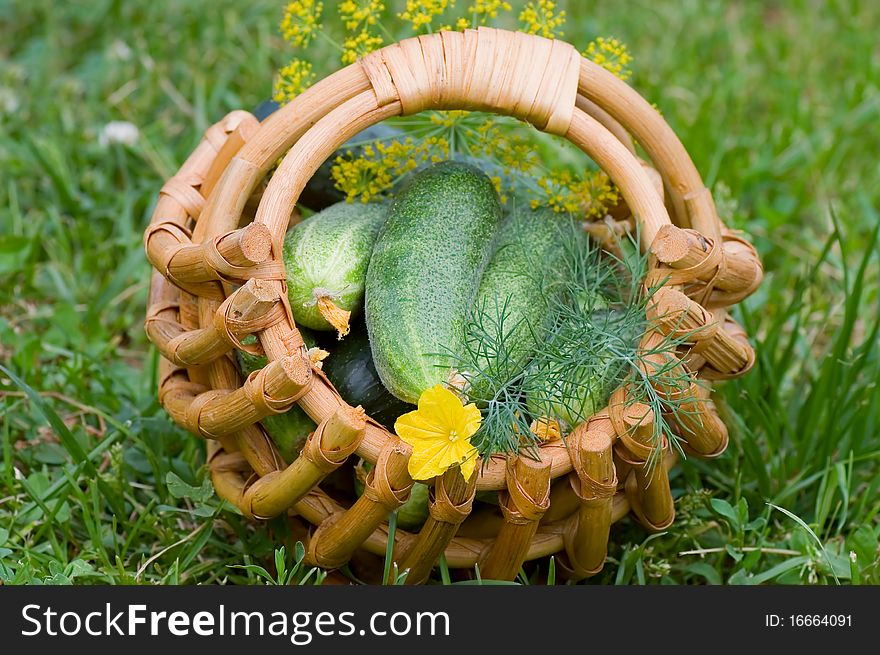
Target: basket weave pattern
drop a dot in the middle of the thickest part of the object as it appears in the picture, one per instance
(215, 243)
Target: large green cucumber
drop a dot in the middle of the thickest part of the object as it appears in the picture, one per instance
(326, 258)
(512, 304)
(424, 274)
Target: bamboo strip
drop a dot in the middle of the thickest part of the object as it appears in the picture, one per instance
(248, 403)
(523, 504)
(647, 484)
(653, 133)
(326, 450)
(697, 422)
(235, 255)
(736, 332)
(660, 363)
(608, 121)
(251, 308)
(624, 170)
(178, 202)
(245, 130)
(682, 249)
(586, 543)
(271, 390)
(462, 552)
(387, 488)
(222, 373)
(732, 266)
(450, 503)
(283, 128)
(682, 318)
(228, 482)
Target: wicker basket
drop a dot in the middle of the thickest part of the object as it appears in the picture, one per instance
(215, 242)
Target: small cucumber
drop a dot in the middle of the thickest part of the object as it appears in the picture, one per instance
(325, 258)
(289, 430)
(351, 370)
(511, 305)
(424, 274)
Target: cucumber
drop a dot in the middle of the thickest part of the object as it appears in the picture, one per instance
(325, 258)
(424, 273)
(351, 370)
(512, 304)
(289, 430)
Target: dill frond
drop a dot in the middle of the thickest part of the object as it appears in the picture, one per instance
(495, 371)
(589, 344)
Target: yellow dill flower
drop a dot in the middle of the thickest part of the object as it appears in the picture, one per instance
(595, 194)
(380, 165)
(540, 17)
(483, 10)
(301, 21)
(589, 195)
(434, 149)
(360, 178)
(462, 24)
(503, 145)
(292, 80)
(421, 13)
(357, 46)
(449, 118)
(358, 13)
(611, 54)
(439, 432)
(499, 188)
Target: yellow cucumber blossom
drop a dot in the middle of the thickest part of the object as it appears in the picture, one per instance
(439, 432)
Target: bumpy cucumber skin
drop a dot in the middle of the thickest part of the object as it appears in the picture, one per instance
(512, 287)
(290, 429)
(424, 274)
(330, 251)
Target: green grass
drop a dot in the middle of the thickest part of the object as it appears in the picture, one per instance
(778, 104)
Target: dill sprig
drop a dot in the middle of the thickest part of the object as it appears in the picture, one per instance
(496, 372)
(588, 346)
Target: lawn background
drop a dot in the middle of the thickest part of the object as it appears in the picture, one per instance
(777, 103)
